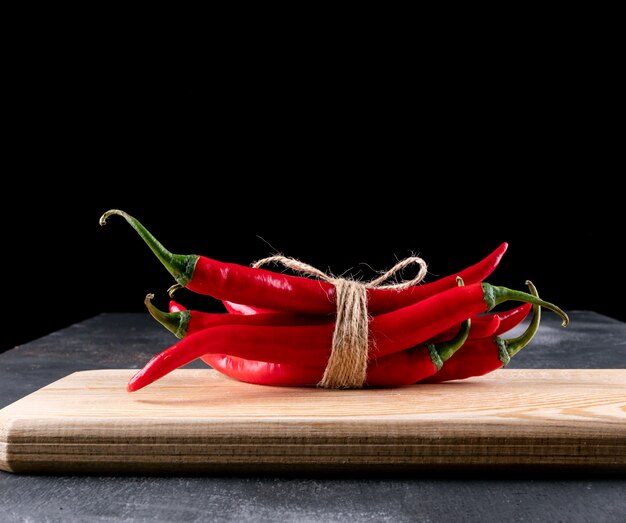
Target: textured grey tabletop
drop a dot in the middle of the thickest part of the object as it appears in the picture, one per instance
(130, 340)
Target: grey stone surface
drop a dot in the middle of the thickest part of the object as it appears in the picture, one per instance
(115, 340)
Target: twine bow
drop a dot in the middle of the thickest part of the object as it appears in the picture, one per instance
(347, 365)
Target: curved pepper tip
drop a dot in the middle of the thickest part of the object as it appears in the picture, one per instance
(131, 386)
(502, 249)
(134, 383)
(105, 216)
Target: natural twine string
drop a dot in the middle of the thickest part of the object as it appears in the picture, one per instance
(347, 365)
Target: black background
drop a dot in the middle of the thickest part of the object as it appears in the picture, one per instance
(347, 162)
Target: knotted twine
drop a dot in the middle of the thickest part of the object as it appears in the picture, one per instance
(347, 365)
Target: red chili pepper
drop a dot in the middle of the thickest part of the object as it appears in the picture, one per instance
(482, 356)
(185, 322)
(310, 345)
(265, 289)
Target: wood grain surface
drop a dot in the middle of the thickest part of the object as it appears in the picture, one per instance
(198, 421)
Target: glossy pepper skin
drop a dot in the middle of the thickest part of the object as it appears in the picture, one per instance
(260, 288)
(310, 345)
(238, 308)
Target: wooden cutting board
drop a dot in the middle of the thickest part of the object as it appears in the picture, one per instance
(198, 421)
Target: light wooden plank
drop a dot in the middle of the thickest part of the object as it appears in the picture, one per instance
(200, 421)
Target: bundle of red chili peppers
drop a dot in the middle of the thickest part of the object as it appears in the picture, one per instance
(279, 329)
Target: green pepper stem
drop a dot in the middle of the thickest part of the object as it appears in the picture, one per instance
(181, 266)
(173, 289)
(175, 322)
(446, 349)
(514, 345)
(495, 295)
